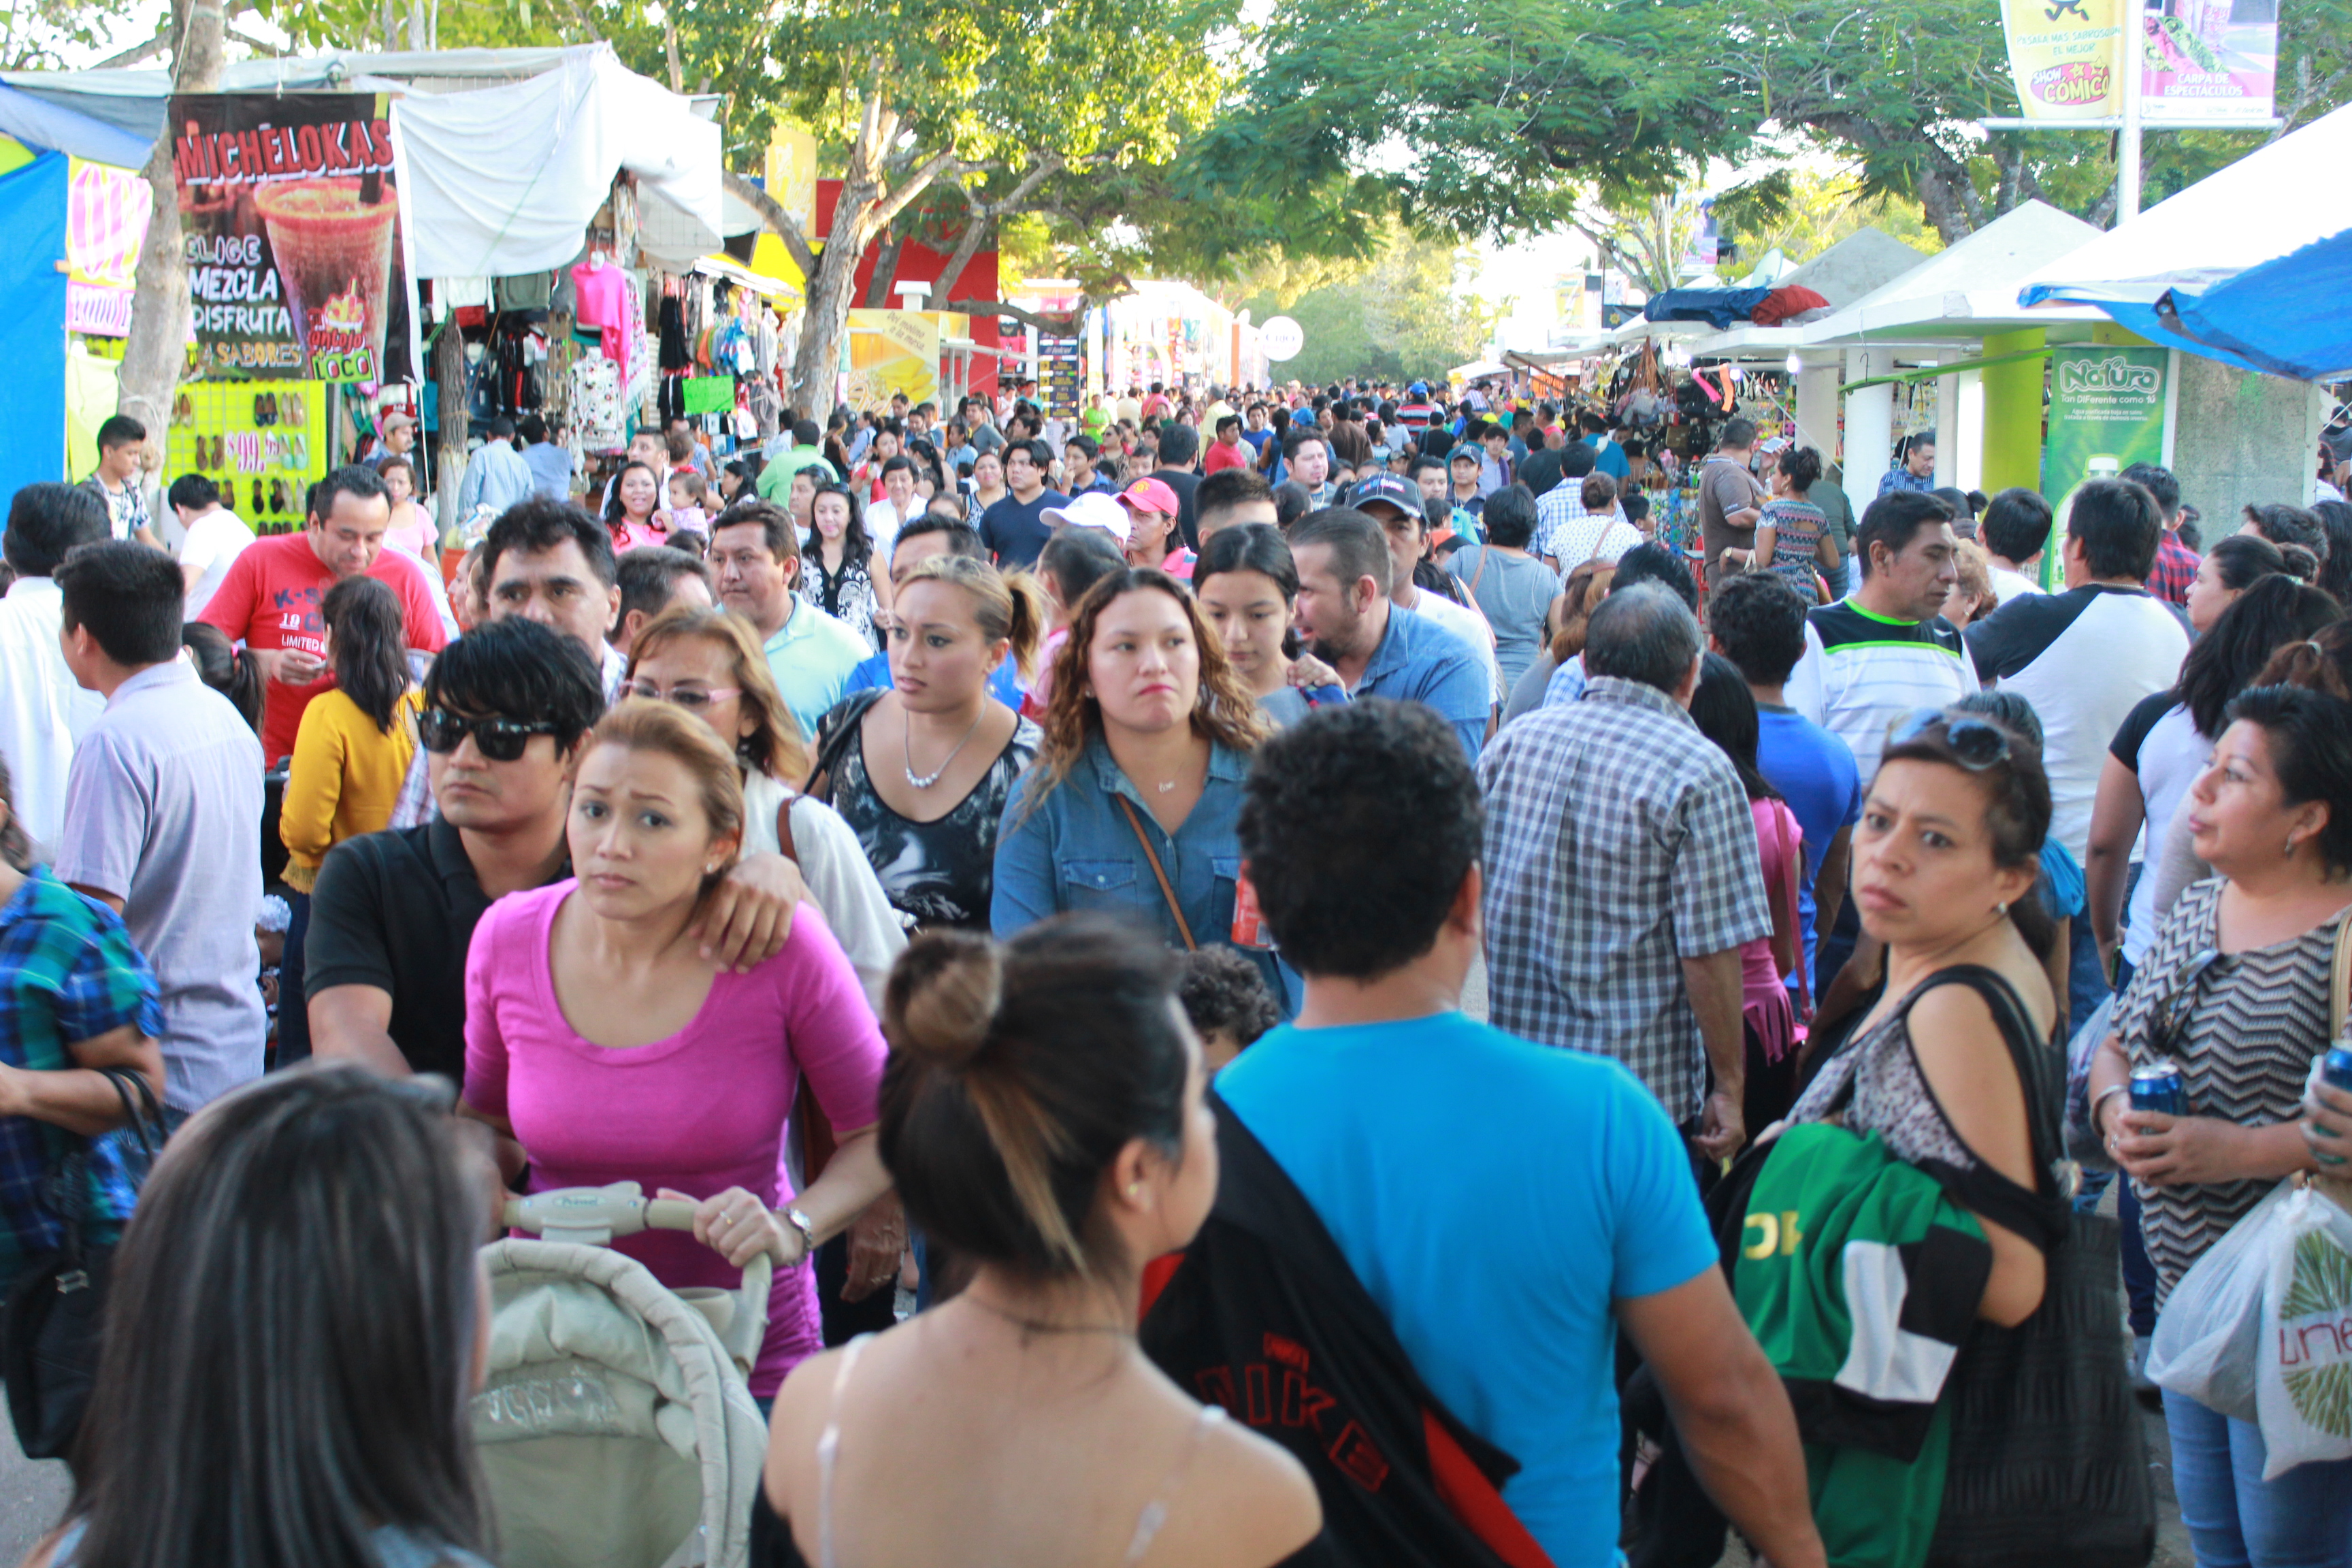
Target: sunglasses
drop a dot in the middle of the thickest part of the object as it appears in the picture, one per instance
(1975, 743)
(440, 731)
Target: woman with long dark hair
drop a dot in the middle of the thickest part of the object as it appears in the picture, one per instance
(226, 667)
(296, 1328)
(1247, 585)
(1132, 800)
(1044, 1114)
(2233, 566)
(635, 497)
(841, 572)
(1724, 711)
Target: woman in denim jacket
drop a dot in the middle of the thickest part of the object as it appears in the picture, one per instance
(1147, 737)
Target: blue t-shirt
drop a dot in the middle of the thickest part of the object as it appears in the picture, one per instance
(1017, 530)
(1494, 1197)
(1815, 771)
(874, 673)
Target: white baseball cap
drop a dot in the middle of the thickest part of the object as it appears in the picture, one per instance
(1093, 510)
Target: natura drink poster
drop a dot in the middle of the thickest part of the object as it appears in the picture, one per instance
(290, 214)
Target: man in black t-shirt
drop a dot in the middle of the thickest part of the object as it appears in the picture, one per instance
(1014, 529)
(507, 708)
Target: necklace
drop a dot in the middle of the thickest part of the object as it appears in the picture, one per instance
(925, 781)
(1039, 1326)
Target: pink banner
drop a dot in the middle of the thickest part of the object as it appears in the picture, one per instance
(100, 311)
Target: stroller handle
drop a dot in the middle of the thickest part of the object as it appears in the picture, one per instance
(594, 1215)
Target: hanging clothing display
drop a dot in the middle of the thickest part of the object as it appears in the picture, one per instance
(608, 303)
(596, 405)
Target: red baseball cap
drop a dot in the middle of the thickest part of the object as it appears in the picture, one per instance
(1151, 495)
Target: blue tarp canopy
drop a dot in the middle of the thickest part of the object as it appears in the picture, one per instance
(45, 126)
(1719, 308)
(2251, 266)
(33, 327)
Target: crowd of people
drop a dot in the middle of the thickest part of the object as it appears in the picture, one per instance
(1021, 877)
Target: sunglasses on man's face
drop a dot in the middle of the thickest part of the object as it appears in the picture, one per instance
(499, 739)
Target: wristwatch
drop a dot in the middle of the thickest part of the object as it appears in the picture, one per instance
(807, 1227)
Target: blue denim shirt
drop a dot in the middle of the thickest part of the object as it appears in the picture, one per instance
(1419, 661)
(1077, 851)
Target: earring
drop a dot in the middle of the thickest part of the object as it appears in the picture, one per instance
(1134, 1189)
(2290, 847)
(2000, 908)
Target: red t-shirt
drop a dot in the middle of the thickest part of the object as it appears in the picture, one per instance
(270, 600)
(1221, 457)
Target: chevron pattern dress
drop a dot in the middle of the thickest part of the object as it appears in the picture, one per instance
(2244, 1036)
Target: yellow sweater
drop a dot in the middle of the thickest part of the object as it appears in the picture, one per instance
(344, 779)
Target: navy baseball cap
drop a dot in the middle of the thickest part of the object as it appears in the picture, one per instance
(1394, 488)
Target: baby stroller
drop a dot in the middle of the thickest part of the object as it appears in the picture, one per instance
(614, 1426)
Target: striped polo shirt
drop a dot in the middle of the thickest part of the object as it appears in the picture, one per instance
(1862, 672)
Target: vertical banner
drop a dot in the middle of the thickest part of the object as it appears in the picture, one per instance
(2106, 413)
(290, 205)
(2208, 62)
(890, 351)
(2066, 56)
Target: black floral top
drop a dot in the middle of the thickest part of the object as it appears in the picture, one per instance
(847, 596)
(940, 873)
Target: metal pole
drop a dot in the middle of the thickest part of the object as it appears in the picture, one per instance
(2134, 51)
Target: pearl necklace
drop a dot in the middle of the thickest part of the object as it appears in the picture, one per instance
(925, 781)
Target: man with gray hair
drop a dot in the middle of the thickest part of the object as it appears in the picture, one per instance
(1621, 872)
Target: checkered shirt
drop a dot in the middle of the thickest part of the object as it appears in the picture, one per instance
(1569, 536)
(69, 973)
(1618, 843)
(2175, 569)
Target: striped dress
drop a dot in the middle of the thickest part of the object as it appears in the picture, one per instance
(2245, 1044)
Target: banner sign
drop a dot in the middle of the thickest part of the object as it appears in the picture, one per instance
(291, 207)
(106, 219)
(2106, 413)
(2208, 62)
(2065, 57)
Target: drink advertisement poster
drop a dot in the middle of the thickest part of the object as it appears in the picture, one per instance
(2106, 413)
(2208, 62)
(289, 209)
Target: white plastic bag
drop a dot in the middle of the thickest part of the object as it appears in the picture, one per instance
(2209, 1337)
(2304, 1386)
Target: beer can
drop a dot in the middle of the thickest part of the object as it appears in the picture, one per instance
(1249, 921)
(2158, 1087)
(2335, 1072)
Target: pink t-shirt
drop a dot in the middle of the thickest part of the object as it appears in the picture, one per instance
(606, 301)
(700, 1111)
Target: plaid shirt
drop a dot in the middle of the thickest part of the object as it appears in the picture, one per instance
(2175, 569)
(67, 974)
(1568, 535)
(1618, 843)
(1901, 477)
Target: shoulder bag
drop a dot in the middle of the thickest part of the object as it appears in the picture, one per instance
(2048, 1467)
(50, 1328)
(835, 733)
(1184, 926)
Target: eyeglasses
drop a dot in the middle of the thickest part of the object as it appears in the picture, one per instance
(693, 698)
(1975, 744)
(440, 731)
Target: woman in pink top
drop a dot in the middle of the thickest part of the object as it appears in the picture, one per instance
(1725, 712)
(630, 511)
(608, 1049)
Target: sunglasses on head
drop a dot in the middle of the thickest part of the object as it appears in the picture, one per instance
(500, 740)
(1975, 743)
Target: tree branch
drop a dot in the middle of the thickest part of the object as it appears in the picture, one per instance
(1069, 326)
(778, 220)
(137, 52)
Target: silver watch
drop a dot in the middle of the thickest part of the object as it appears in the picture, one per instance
(806, 1226)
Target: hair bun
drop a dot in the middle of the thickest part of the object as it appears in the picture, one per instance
(942, 997)
(2301, 562)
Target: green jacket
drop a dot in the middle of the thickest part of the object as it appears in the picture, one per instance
(776, 482)
(1860, 1280)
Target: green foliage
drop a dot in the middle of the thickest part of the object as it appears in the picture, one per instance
(1819, 211)
(36, 34)
(1404, 315)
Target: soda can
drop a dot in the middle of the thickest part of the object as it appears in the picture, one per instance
(2335, 1072)
(2157, 1086)
(1249, 921)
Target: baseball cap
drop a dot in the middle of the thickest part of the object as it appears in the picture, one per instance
(395, 420)
(1094, 510)
(1394, 488)
(1151, 495)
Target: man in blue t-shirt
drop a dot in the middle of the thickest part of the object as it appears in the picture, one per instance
(1014, 529)
(1505, 1204)
(1757, 620)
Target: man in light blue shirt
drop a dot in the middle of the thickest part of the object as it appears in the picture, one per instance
(755, 552)
(1420, 1136)
(496, 475)
(1344, 609)
(163, 821)
(549, 464)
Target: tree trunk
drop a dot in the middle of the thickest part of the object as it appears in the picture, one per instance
(885, 272)
(157, 348)
(449, 441)
(968, 244)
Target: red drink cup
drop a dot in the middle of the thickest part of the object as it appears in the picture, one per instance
(334, 257)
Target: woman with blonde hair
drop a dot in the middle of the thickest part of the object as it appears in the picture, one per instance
(708, 663)
(1132, 800)
(605, 1048)
(921, 770)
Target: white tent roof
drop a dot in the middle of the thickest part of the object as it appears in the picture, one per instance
(506, 153)
(2268, 204)
(1968, 289)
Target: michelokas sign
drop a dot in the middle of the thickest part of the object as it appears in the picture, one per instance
(289, 207)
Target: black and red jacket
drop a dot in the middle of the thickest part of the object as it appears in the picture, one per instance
(1262, 1315)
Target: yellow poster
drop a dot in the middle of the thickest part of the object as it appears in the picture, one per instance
(791, 173)
(892, 351)
(2066, 56)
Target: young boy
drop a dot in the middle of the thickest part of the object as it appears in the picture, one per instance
(1227, 1002)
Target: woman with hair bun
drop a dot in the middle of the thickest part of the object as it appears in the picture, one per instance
(1044, 1114)
(1792, 538)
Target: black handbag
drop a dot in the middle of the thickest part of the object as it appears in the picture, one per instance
(2048, 1465)
(50, 1332)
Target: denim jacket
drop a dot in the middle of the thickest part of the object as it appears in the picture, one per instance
(1077, 851)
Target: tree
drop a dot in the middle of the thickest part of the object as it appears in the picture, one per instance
(1405, 314)
(156, 351)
